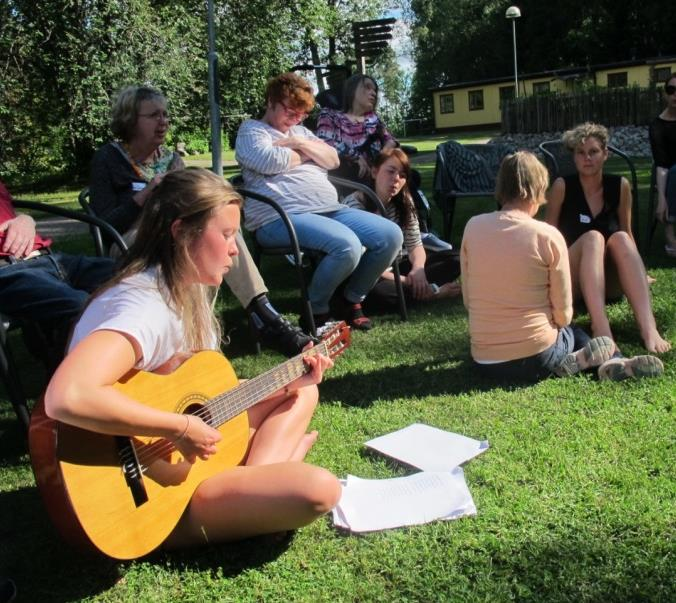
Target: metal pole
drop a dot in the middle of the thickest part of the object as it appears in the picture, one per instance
(516, 70)
(214, 109)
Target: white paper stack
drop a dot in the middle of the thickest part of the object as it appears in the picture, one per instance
(438, 492)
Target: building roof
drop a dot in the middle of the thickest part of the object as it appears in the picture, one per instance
(565, 73)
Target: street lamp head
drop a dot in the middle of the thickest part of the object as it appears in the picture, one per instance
(513, 12)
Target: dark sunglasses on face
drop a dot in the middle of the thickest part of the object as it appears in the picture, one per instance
(669, 90)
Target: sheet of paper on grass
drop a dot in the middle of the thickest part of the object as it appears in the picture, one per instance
(368, 505)
(428, 448)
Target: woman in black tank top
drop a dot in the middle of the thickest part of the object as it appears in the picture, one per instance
(593, 212)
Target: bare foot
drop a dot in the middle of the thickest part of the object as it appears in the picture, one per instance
(655, 343)
(304, 446)
(449, 290)
(651, 279)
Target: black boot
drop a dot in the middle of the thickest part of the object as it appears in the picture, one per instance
(273, 330)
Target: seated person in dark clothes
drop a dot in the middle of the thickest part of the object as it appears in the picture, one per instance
(663, 145)
(593, 212)
(426, 274)
(127, 170)
(39, 285)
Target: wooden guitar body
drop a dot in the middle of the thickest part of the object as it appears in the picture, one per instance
(83, 470)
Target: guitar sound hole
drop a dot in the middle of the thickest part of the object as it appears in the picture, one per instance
(199, 410)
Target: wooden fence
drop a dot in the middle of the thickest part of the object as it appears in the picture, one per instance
(555, 112)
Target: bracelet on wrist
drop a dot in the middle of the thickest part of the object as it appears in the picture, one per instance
(187, 425)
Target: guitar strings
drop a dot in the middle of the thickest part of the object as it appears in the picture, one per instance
(216, 411)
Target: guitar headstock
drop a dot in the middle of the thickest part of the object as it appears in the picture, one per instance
(336, 340)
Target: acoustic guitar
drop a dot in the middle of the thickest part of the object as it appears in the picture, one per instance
(124, 495)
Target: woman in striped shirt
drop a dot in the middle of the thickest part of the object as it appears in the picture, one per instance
(425, 274)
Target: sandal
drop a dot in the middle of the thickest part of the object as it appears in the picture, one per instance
(355, 317)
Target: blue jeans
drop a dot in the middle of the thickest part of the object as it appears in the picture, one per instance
(51, 288)
(671, 194)
(340, 235)
(537, 367)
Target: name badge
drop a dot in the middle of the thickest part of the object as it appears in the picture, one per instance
(585, 219)
(138, 186)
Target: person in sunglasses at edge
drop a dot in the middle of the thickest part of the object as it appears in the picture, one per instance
(286, 162)
(154, 315)
(426, 275)
(663, 144)
(516, 286)
(359, 135)
(126, 171)
(593, 212)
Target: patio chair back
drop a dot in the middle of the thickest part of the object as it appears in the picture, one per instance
(463, 171)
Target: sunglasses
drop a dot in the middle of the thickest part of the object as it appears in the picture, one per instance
(669, 90)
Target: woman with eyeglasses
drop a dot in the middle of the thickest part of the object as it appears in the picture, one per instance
(127, 170)
(593, 212)
(663, 144)
(283, 160)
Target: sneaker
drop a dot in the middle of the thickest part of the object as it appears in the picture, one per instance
(432, 242)
(320, 321)
(618, 369)
(594, 353)
(282, 336)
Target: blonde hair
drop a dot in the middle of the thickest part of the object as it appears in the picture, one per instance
(192, 196)
(521, 178)
(579, 134)
(124, 113)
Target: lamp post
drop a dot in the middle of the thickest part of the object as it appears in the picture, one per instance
(513, 13)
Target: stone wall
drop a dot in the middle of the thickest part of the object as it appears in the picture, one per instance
(633, 140)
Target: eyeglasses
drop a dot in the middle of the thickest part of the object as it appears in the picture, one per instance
(669, 90)
(156, 115)
(292, 113)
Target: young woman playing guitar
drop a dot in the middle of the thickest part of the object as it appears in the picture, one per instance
(152, 317)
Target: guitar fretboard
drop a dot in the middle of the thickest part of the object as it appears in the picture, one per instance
(224, 407)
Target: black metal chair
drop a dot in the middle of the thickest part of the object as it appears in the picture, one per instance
(95, 231)
(559, 162)
(299, 254)
(8, 369)
(464, 171)
(652, 205)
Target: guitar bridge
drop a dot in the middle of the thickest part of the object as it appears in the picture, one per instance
(131, 470)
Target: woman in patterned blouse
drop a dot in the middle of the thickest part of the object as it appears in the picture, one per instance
(357, 133)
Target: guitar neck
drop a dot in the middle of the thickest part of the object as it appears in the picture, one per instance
(231, 403)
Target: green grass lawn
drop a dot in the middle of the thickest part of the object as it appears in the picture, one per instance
(575, 496)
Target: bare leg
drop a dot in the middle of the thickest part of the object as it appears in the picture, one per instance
(304, 446)
(588, 276)
(279, 425)
(669, 235)
(273, 491)
(632, 279)
(248, 501)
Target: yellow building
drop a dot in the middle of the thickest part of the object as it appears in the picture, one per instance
(477, 104)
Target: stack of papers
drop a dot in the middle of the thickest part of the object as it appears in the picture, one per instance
(439, 491)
